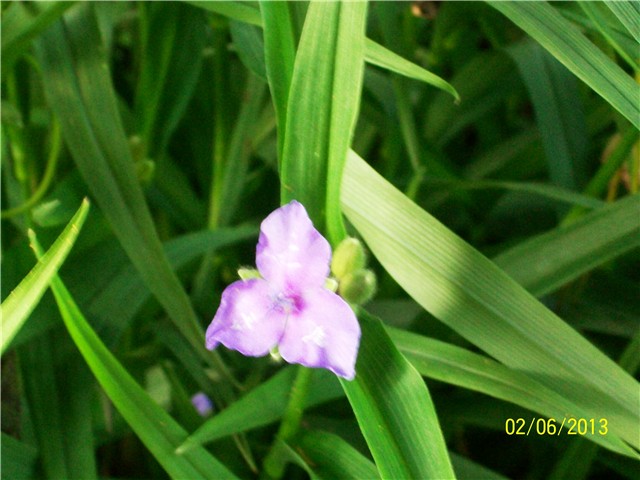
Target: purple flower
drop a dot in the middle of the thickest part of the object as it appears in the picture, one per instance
(202, 403)
(289, 307)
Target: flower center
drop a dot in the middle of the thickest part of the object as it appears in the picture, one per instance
(288, 303)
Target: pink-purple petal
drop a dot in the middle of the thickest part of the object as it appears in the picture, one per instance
(324, 334)
(291, 253)
(246, 320)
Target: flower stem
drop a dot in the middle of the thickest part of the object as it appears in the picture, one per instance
(274, 462)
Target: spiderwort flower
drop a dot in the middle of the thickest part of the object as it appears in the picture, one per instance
(289, 306)
(202, 403)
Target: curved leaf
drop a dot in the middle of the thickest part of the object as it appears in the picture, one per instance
(21, 301)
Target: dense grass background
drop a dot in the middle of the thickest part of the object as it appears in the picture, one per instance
(486, 153)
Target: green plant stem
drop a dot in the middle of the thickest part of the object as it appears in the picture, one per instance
(47, 178)
(274, 461)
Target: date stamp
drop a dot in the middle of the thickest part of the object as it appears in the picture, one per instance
(551, 426)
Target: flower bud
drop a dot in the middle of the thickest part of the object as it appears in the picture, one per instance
(358, 287)
(348, 257)
(248, 273)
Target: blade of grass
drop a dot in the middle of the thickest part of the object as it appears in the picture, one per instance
(469, 293)
(544, 263)
(79, 91)
(558, 110)
(173, 36)
(325, 86)
(458, 366)
(21, 301)
(565, 42)
(380, 56)
(629, 15)
(394, 410)
(329, 456)
(602, 19)
(155, 428)
(59, 402)
(22, 22)
(18, 458)
(280, 53)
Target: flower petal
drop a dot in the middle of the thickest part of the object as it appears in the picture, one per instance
(246, 320)
(324, 334)
(291, 253)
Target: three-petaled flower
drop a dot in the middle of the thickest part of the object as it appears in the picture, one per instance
(289, 307)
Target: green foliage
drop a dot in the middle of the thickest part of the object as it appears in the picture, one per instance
(486, 155)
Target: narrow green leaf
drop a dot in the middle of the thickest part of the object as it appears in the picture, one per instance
(55, 381)
(327, 79)
(544, 263)
(238, 10)
(558, 109)
(382, 57)
(329, 456)
(541, 189)
(604, 20)
(280, 53)
(628, 12)
(18, 459)
(174, 36)
(115, 304)
(155, 428)
(80, 92)
(394, 410)
(233, 175)
(468, 470)
(565, 42)
(21, 301)
(469, 293)
(247, 40)
(22, 22)
(455, 365)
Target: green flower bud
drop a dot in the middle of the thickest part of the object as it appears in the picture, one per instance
(248, 273)
(348, 257)
(331, 284)
(145, 170)
(358, 287)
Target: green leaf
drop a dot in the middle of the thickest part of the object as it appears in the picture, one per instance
(18, 459)
(604, 20)
(80, 92)
(540, 189)
(628, 12)
(544, 263)
(468, 470)
(115, 303)
(21, 301)
(22, 22)
(55, 384)
(394, 410)
(382, 57)
(173, 37)
(558, 108)
(280, 53)
(329, 456)
(155, 428)
(565, 42)
(232, 177)
(263, 405)
(238, 10)
(470, 294)
(325, 86)
(247, 40)
(457, 366)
